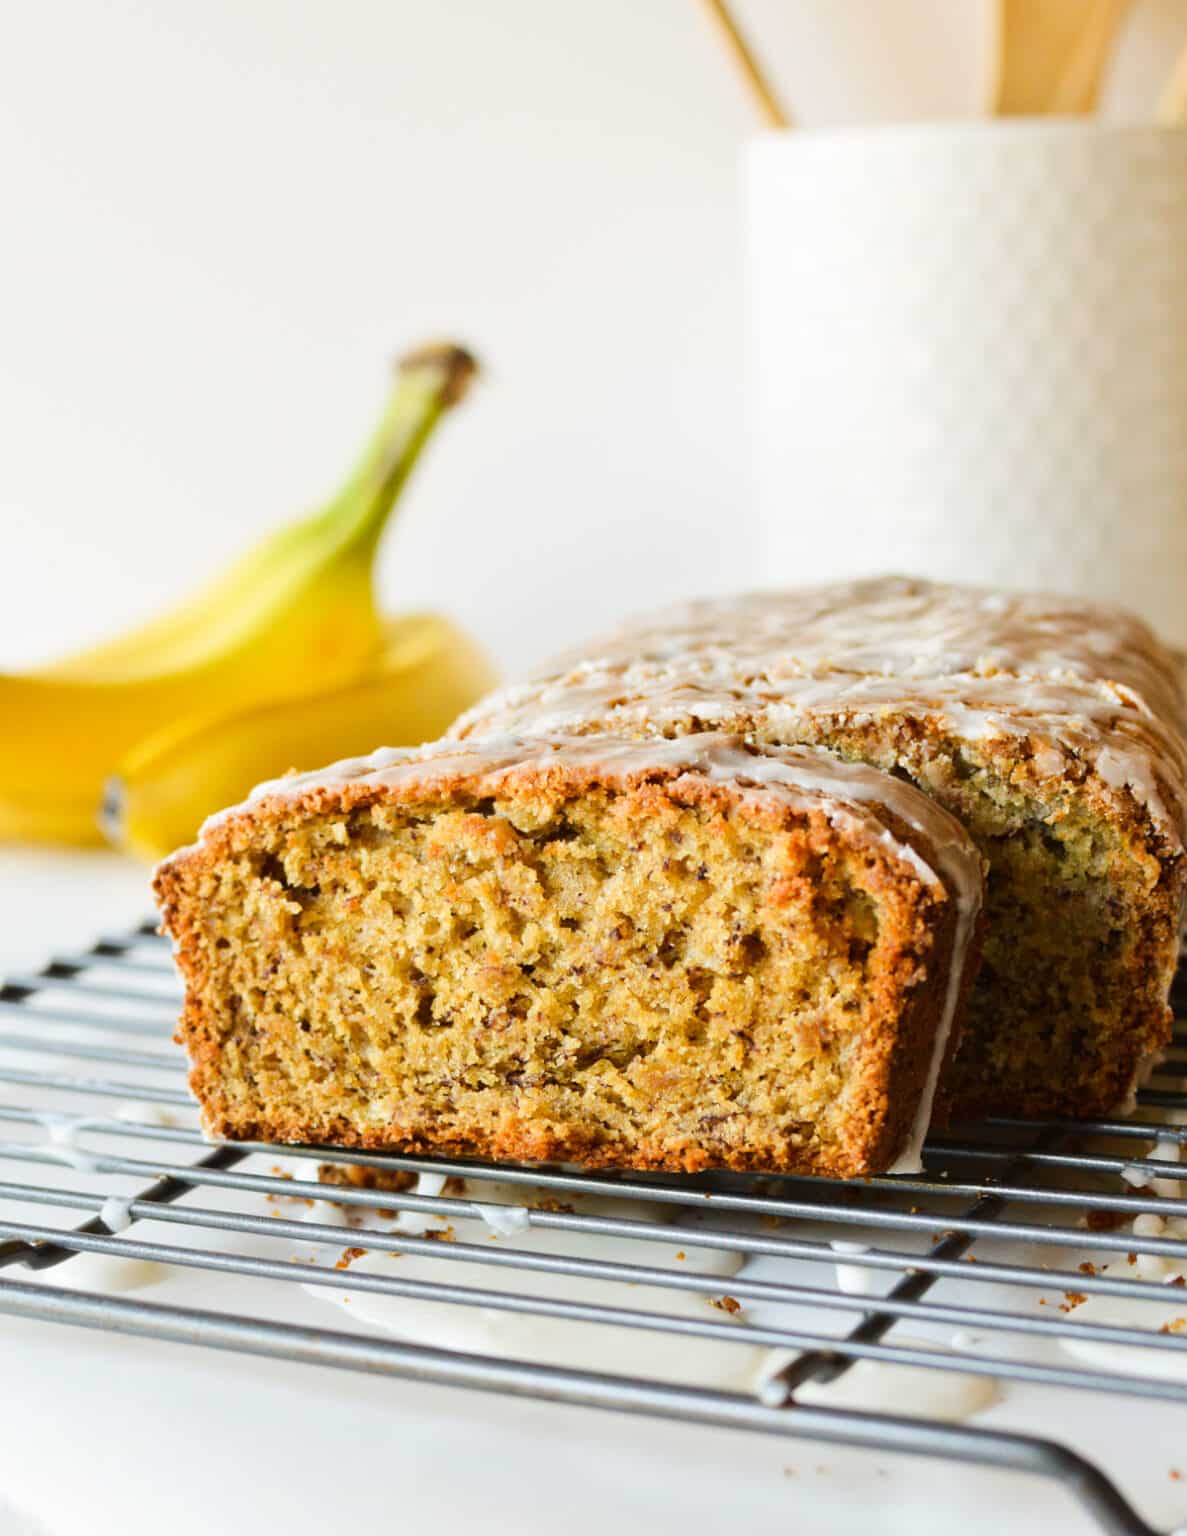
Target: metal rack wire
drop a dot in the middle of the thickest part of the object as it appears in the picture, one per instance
(86, 1057)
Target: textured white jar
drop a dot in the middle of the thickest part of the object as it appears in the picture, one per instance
(970, 354)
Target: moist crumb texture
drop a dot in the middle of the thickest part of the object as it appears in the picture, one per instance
(606, 953)
(1052, 728)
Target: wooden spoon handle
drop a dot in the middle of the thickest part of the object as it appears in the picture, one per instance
(770, 108)
(1078, 88)
(1051, 54)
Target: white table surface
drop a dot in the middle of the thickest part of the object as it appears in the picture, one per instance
(105, 1434)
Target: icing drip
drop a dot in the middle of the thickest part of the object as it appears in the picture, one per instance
(855, 1279)
(61, 1130)
(1143, 1072)
(116, 1214)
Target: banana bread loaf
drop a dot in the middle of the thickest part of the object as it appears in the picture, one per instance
(654, 954)
(1052, 728)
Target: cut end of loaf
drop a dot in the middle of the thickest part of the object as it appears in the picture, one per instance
(657, 973)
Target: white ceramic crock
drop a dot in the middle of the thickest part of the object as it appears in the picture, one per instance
(970, 354)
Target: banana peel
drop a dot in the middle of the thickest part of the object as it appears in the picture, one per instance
(294, 616)
(426, 674)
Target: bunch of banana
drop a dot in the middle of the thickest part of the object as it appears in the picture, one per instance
(287, 641)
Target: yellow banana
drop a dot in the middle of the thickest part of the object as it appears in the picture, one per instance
(427, 673)
(294, 615)
(43, 819)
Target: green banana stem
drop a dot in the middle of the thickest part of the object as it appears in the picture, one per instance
(428, 382)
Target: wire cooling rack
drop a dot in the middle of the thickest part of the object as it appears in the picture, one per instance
(1002, 1221)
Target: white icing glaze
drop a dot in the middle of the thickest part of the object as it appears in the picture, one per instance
(1151, 1317)
(107, 1272)
(905, 627)
(417, 1223)
(116, 1213)
(1150, 1266)
(590, 1346)
(1168, 1150)
(506, 1220)
(806, 778)
(874, 1386)
(964, 1341)
(771, 1389)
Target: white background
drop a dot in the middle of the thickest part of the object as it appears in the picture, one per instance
(219, 221)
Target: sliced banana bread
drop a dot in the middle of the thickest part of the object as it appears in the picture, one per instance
(674, 955)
